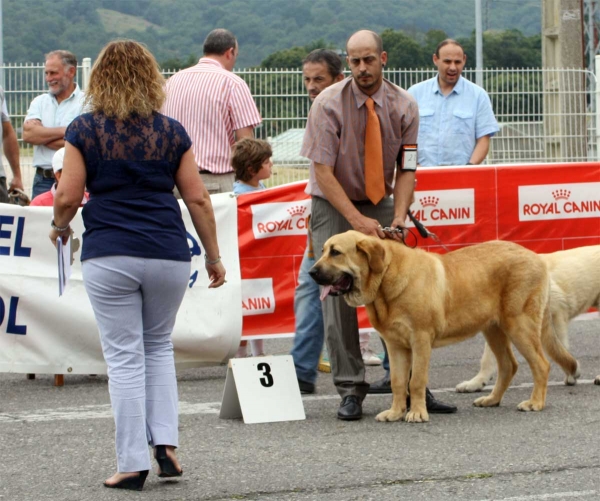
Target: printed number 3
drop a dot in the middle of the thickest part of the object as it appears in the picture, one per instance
(266, 381)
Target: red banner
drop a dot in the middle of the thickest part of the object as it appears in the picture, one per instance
(547, 207)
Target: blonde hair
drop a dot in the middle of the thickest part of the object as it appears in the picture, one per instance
(125, 80)
(247, 157)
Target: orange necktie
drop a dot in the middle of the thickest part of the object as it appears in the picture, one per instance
(374, 183)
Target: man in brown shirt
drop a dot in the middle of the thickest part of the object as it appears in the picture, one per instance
(335, 143)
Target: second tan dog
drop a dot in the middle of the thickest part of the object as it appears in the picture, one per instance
(419, 301)
(575, 288)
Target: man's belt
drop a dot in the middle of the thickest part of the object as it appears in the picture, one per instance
(204, 171)
(45, 173)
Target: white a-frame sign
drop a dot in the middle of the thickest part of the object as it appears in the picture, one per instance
(262, 390)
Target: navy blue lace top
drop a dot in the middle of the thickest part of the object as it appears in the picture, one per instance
(131, 166)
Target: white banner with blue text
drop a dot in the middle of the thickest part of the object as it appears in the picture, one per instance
(41, 332)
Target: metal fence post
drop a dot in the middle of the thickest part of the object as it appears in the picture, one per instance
(596, 107)
(86, 67)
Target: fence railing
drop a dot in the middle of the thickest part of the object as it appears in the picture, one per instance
(545, 115)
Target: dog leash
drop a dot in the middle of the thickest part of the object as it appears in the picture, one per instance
(423, 231)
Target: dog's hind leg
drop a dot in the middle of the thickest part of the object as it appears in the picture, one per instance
(400, 363)
(486, 373)
(499, 346)
(556, 341)
(524, 332)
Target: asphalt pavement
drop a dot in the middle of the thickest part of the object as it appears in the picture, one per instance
(57, 443)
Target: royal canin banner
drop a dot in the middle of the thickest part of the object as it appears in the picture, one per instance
(546, 208)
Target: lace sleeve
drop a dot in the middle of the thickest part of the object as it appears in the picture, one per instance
(79, 131)
(181, 139)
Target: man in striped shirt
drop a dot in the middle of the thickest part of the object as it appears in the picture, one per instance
(215, 107)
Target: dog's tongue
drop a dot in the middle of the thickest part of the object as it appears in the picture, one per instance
(325, 292)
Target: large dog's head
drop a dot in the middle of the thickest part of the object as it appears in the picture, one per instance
(352, 265)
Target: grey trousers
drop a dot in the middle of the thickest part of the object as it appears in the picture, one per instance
(214, 183)
(3, 191)
(135, 302)
(218, 183)
(341, 321)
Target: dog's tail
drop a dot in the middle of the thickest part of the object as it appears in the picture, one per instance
(556, 350)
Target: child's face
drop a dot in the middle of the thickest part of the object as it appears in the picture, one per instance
(266, 169)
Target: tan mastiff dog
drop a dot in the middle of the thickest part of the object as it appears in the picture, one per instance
(419, 301)
(574, 289)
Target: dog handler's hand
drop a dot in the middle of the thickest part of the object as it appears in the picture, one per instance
(368, 226)
(216, 274)
(398, 221)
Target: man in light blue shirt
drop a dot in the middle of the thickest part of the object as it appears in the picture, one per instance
(50, 114)
(456, 120)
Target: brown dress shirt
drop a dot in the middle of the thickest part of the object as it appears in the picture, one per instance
(335, 133)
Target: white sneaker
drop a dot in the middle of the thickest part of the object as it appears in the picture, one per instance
(369, 358)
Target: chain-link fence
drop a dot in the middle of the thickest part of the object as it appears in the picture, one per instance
(545, 115)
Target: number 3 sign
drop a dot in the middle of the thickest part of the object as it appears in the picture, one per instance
(262, 390)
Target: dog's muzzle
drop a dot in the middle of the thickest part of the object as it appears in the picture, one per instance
(331, 287)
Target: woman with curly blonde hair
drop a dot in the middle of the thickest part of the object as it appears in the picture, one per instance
(135, 256)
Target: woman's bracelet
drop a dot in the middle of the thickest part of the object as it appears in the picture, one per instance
(58, 228)
(208, 261)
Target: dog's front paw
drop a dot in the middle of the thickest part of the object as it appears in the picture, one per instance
(597, 380)
(416, 417)
(486, 402)
(389, 415)
(530, 405)
(471, 386)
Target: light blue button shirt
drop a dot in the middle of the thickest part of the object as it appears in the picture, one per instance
(239, 187)
(449, 126)
(52, 114)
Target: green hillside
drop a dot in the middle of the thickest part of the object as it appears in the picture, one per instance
(176, 28)
(116, 22)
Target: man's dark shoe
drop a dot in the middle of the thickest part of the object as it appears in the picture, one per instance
(384, 385)
(350, 408)
(434, 406)
(306, 387)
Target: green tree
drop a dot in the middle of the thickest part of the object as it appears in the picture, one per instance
(432, 40)
(177, 64)
(292, 58)
(288, 58)
(402, 50)
(505, 49)
(512, 49)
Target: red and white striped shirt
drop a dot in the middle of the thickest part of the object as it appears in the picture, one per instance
(211, 103)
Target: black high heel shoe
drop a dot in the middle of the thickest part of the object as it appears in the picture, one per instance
(166, 464)
(130, 483)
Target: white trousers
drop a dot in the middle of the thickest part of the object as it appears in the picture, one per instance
(135, 302)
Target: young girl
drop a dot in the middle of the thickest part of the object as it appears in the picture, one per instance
(251, 162)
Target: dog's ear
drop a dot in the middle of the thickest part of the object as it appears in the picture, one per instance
(375, 252)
